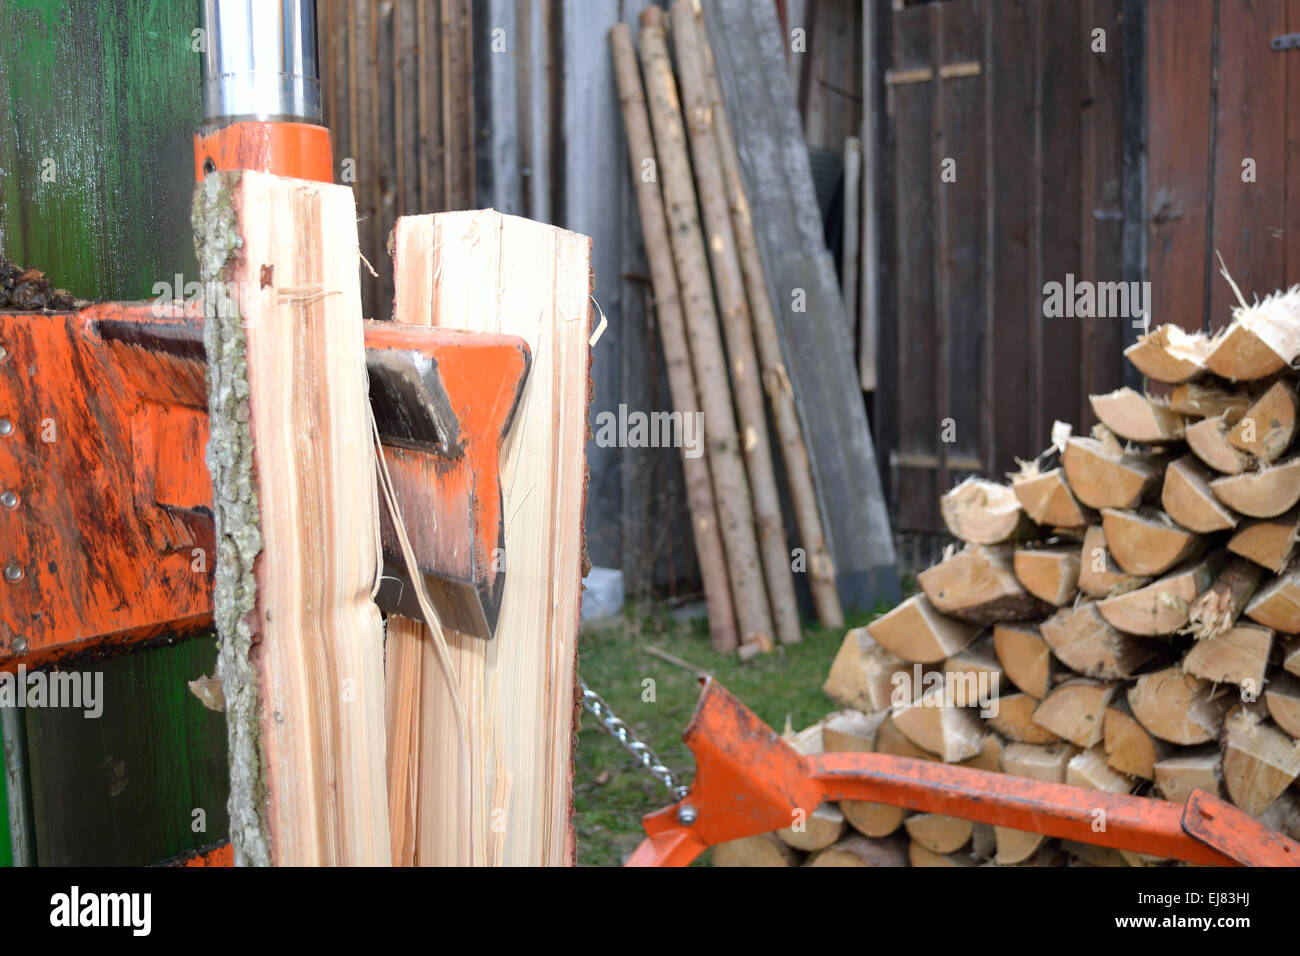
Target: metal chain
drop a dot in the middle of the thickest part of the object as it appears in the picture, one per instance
(596, 706)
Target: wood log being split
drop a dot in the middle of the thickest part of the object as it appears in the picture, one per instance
(1199, 768)
(1169, 354)
(765, 849)
(1263, 339)
(1051, 574)
(1237, 656)
(979, 584)
(1130, 748)
(979, 511)
(1137, 417)
(1259, 761)
(1089, 769)
(1163, 606)
(1178, 707)
(915, 631)
(851, 731)
(1208, 440)
(1207, 400)
(954, 733)
(814, 830)
(1261, 494)
(1215, 611)
(1147, 542)
(295, 498)
(1269, 425)
(1014, 719)
(1269, 542)
(1099, 575)
(938, 833)
(862, 673)
(1277, 604)
(1283, 701)
(672, 331)
(1076, 711)
(1101, 475)
(859, 851)
(872, 819)
(1087, 644)
(1188, 499)
(723, 442)
(1025, 658)
(1047, 500)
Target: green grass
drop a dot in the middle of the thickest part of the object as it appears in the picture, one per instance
(612, 793)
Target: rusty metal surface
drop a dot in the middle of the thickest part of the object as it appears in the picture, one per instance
(1237, 834)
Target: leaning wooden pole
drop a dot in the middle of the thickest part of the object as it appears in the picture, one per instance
(785, 417)
(730, 486)
(297, 522)
(730, 287)
(672, 331)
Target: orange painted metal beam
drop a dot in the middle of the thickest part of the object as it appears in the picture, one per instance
(299, 150)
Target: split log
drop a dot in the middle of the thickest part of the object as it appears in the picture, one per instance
(859, 851)
(1269, 542)
(776, 382)
(738, 329)
(456, 270)
(990, 755)
(1089, 769)
(1137, 417)
(1099, 575)
(1261, 494)
(672, 332)
(1263, 339)
(1215, 611)
(939, 833)
(1090, 854)
(979, 584)
(1269, 425)
(1238, 656)
(1017, 846)
(917, 855)
(915, 631)
(1282, 697)
(890, 740)
(1046, 762)
(815, 830)
(1025, 658)
(1163, 606)
(1188, 499)
(862, 673)
(1130, 748)
(1200, 768)
(1051, 574)
(1047, 499)
(1014, 719)
(973, 676)
(1102, 475)
(1076, 711)
(1291, 656)
(1208, 440)
(1147, 542)
(1178, 707)
(873, 820)
(1208, 400)
(850, 731)
(1259, 761)
(979, 511)
(953, 733)
(723, 443)
(1169, 354)
(1283, 814)
(296, 507)
(1087, 644)
(1277, 604)
(765, 849)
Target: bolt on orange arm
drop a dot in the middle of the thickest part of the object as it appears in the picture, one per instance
(749, 781)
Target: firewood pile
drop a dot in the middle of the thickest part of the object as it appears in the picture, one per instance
(1122, 615)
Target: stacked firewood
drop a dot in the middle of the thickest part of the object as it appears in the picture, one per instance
(1122, 615)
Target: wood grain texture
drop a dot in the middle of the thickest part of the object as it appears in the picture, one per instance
(507, 800)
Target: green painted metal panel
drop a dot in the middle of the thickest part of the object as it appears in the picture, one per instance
(98, 104)
(6, 852)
